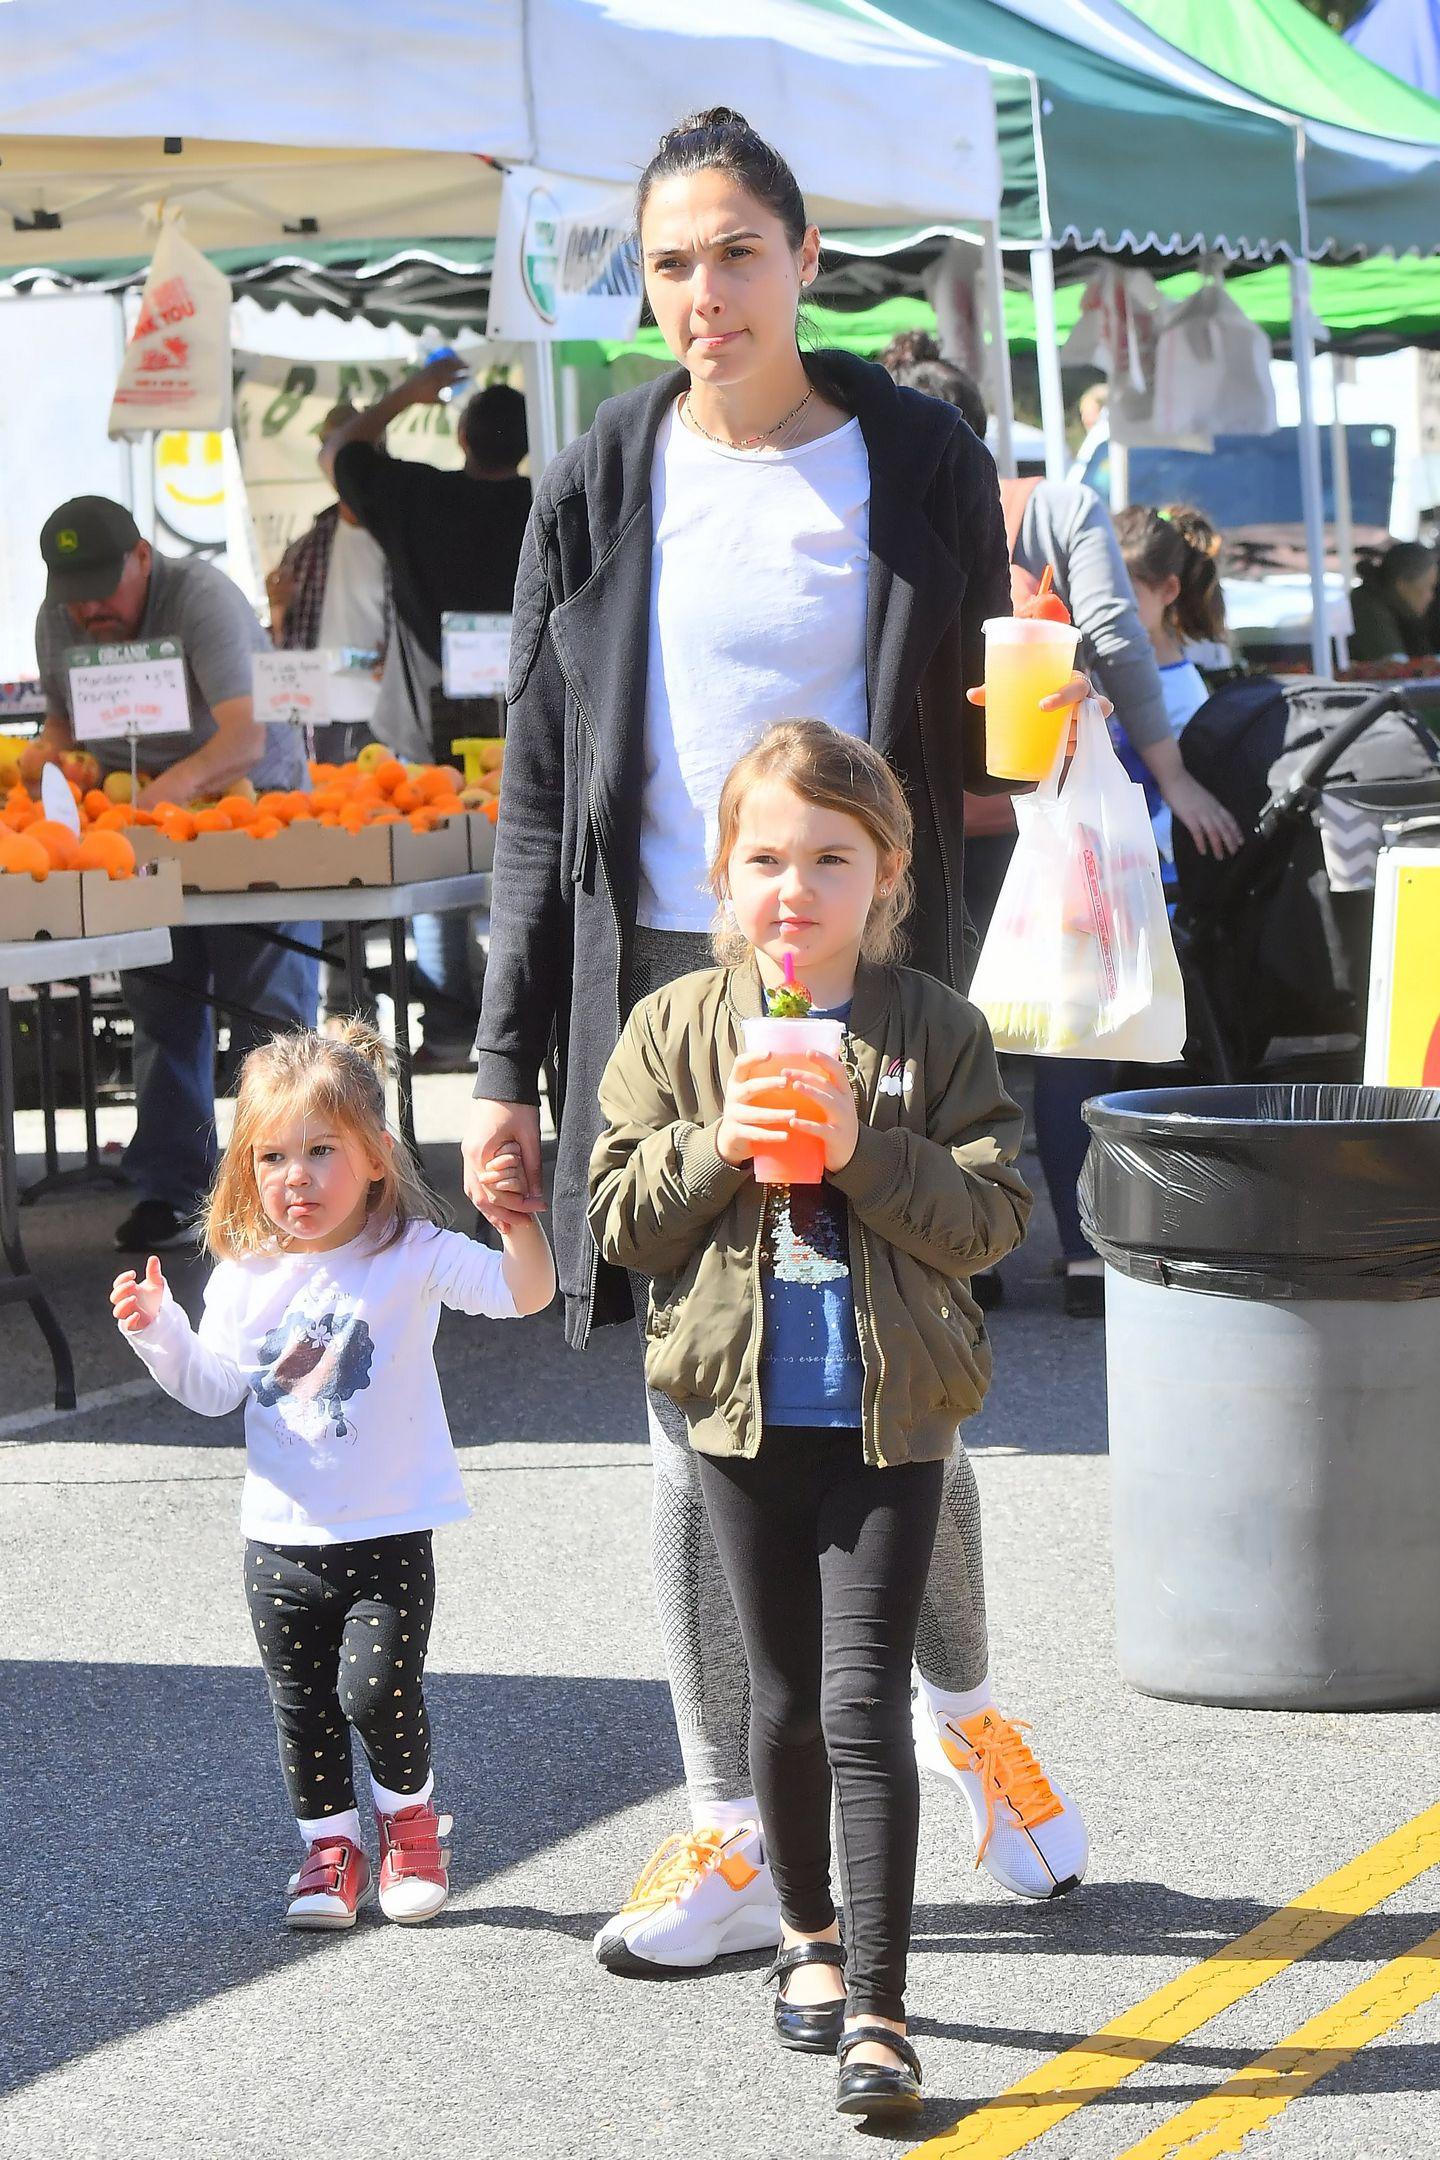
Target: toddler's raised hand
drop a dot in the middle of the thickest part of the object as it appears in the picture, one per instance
(136, 1300)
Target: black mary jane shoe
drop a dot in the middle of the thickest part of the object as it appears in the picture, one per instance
(813, 2028)
(872, 2089)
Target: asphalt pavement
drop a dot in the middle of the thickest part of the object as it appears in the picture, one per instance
(154, 2005)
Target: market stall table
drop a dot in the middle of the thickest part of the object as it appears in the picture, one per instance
(355, 906)
(38, 961)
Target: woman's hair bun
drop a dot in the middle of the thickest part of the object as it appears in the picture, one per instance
(910, 348)
(715, 116)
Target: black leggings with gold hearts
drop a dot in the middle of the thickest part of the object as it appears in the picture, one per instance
(343, 1631)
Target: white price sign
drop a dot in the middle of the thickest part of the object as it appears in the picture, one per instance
(475, 654)
(128, 690)
(292, 689)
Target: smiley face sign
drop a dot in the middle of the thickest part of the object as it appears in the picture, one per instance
(190, 485)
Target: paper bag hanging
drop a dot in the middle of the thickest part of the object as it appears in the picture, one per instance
(176, 370)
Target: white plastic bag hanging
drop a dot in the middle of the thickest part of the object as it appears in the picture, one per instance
(1079, 961)
(1212, 370)
(176, 369)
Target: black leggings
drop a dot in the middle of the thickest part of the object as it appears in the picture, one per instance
(826, 1561)
(343, 1631)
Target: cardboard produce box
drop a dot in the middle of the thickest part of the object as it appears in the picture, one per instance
(308, 855)
(482, 841)
(89, 903)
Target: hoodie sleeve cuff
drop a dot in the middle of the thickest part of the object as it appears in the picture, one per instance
(707, 1174)
(503, 1079)
(870, 1173)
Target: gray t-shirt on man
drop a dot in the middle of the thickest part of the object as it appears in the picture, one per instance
(193, 602)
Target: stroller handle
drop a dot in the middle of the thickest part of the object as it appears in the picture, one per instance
(1328, 753)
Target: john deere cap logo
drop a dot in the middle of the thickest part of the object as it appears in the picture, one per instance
(540, 253)
(67, 542)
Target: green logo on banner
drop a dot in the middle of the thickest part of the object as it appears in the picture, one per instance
(540, 254)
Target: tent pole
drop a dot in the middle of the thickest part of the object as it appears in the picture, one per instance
(1344, 508)
(1047, 358)
(1312, 486)
(546, 415)
(1001, 384)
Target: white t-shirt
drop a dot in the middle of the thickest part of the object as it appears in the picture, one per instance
(353, 614)
(759, 578)
(333, 1356)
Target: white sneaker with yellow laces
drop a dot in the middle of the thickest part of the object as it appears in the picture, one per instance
(706, 1894)
(1029, 1835)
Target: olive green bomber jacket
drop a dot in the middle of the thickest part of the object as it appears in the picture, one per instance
(933, 1197)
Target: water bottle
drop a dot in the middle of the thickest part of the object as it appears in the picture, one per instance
(448, 352)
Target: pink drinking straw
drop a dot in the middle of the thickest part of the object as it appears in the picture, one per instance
(787, 961)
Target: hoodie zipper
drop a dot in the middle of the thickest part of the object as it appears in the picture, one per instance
(592, 805)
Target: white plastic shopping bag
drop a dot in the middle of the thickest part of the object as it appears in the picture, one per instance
(176, 370)
(1079, 960)
(1212, 370)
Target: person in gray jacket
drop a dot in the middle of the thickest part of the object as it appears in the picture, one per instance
(1067, 527)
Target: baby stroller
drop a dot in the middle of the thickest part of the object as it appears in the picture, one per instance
(1274, 943)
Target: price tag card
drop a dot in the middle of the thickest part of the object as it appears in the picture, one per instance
(292, 689)
(128, 690)
(475, 654)
(19, 700)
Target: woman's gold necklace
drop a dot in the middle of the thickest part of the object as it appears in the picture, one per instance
(746, 442)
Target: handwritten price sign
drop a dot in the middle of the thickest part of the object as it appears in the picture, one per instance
(475, 651)
(128, 690)
(292, 689)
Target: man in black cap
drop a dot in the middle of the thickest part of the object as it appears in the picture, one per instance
(108, 586)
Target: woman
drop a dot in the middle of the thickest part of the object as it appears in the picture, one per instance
(1392, 603)
(755, 537)
(1069, 528)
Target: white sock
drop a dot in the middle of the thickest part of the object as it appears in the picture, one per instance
(726, 1815)
(390, 1803)
(317, 1827)
(956, 1703)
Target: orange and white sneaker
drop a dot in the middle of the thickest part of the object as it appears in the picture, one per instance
(704, 1895)
(1028, 1833)
(334, 1880)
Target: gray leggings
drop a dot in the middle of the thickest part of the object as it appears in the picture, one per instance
(704, 1656)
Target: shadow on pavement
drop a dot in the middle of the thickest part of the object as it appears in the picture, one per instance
(149, 1837)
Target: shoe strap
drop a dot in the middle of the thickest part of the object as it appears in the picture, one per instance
(325, 1868)
(805, 1953)
(411, 1841)
(856, 2035)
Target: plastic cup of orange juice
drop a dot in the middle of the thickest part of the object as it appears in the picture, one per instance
(1026, 659)
(798, 1158)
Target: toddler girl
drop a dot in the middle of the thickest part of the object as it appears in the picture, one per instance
(821, 1340)
(321, 1317)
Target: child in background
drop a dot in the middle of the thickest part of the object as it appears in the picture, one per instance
(1172, 557)
(821, 1340)
(320, 1317)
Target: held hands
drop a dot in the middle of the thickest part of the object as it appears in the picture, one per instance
(136, 1301)
(501, 1154)
(824, 1087)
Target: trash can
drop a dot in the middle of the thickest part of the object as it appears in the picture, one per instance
(1273, 1355)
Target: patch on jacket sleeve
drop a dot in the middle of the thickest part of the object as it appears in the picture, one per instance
(898, 1078)
(532, 608)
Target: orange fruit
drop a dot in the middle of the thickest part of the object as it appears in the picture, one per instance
(177, 824)
(389, 775)
(422, 821)
(446, 805)
(300, 804)
(275, 802)
(96, 802)
(319, 770)
(327, 817)
(238, 808)
(261, 828)
(115, 819)
(57, 840)
(492, 811)
(108, 851)
(213, 820)
(21, 853)
(406, 797)
(387, 816)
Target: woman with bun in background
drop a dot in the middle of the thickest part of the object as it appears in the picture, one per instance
(761, 535)
(1067, 526)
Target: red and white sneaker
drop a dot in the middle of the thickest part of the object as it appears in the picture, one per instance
(325, 1892)
(414, 1858)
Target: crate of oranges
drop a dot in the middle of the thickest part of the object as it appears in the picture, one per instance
(373, 821)
(56, 883)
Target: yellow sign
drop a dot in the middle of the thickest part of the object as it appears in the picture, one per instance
(1413, 1051)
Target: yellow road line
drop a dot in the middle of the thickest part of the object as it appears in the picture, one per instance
(1221, 2122)
(1094, 2067)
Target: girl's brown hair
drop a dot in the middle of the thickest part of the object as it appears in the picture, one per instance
(337, 1078)
(834, 772)
(1181, 543)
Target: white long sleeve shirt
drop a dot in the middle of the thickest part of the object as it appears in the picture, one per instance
(333, 1356)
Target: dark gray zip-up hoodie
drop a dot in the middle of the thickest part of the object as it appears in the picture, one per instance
(567, 854)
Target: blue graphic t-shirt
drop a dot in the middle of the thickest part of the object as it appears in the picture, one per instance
(810, 1368)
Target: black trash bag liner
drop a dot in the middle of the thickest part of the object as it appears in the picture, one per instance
(1268, 1193)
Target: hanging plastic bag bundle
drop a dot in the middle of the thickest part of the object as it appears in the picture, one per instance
(176, 371)
(1079, 960)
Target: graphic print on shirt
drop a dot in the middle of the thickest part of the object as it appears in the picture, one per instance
(804, 1235)
(311, 1365)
